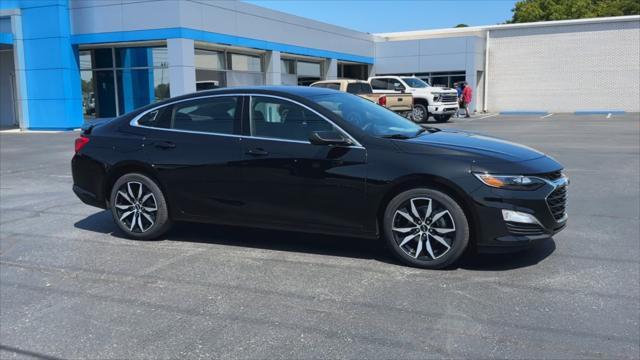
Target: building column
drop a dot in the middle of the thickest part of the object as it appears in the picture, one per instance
(182, 69)
(273, 69)
(330, 69)
(46, 67)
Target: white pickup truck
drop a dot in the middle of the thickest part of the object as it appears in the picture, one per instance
(441, 103)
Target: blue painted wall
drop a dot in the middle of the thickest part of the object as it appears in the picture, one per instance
(50, 63)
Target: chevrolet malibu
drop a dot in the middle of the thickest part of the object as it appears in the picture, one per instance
(321, 161)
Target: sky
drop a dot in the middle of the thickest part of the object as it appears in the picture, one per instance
(376, 16)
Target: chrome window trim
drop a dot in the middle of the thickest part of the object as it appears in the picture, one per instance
(134, 121)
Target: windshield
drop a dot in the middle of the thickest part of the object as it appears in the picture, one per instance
(368, 116)
(415, 82)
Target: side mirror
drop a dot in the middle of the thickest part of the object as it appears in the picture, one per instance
(328, 138)
(398, 87)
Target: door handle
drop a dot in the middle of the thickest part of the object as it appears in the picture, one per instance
(257, 152)
(165, 145)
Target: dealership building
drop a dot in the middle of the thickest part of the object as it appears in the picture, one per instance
(64, 61)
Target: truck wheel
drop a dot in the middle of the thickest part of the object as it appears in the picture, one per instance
(420, 113)
(442, 118)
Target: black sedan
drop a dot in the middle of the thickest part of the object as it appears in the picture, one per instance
(318, 160)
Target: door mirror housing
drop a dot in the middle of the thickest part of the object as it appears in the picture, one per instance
(329, 138)
(398, 87)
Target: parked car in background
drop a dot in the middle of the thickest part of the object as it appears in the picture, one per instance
(399, 103)
(207, 85)
(441, 103)
(295, 158)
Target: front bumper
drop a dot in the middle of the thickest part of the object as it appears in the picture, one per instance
(498, 235)
(443, 109)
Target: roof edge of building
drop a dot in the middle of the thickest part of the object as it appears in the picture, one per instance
(417, 34)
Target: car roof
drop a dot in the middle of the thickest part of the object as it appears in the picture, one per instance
(348, 81)
(303, 91)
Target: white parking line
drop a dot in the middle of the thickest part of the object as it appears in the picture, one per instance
(488, 116)
(546, 116)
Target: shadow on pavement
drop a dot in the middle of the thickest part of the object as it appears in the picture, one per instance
(102, 222)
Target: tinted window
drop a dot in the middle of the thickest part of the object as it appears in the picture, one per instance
(415, 82)
(368, 116)
(379, 84)
(334, 86)
(358, 88)
(159, 118)
(214, 115)
(281, 119)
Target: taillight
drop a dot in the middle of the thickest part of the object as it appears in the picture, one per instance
(81, 142)
(382, 100)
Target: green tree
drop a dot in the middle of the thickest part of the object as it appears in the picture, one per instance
(548, 10)
(461, 25)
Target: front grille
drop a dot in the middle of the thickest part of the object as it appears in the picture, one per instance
(553, 176)
(447, 98)
(557, 202)
(524, 229)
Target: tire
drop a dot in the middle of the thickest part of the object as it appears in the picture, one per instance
(420, 113)
(142, 199)
(437, 244)
(442, 118)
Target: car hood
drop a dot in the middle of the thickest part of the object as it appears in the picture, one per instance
(480, 147)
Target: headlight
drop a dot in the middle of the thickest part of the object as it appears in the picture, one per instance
(510, 182)
(436, 97)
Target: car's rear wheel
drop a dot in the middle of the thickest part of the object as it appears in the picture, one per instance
(442, 118)
(420, 113)
(425, 228)
(139, 207)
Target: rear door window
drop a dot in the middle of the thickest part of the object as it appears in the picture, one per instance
(209, 115)
(379, 84)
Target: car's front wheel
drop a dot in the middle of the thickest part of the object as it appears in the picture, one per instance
(425, 228)
(139, 207)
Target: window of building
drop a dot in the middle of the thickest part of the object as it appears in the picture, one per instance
(208, 59)
(241, 62)
(299, 72)
(115, 81)
(353, 71)
(210, 115)
(287, 66)
(220, 68)
(281, 119)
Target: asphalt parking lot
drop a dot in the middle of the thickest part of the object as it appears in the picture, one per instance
(72, 287)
